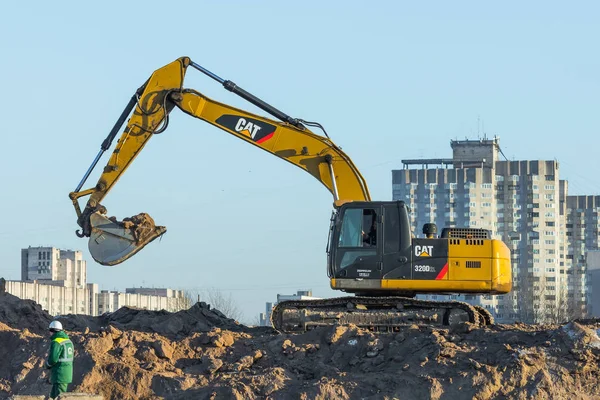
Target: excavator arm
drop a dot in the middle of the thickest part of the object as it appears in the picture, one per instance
(112, 242)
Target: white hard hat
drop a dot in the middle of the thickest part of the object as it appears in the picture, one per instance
(55, 326)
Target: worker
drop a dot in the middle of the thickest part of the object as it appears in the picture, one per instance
(60, 359)
(370, 237)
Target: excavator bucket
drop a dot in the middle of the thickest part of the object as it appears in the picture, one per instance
(112, 242)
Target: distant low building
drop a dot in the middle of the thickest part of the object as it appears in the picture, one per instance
(265, 318)
(55, 298)
(147, 298)
(57, 280)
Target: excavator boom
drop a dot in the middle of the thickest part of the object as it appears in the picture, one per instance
(112, 242)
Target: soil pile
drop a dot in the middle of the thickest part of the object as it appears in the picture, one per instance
(23, 314)
(199, 318)
(199, 354)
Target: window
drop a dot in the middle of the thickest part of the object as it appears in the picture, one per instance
(358, 237)
(391, 230)
(499, 178)
(359, 228)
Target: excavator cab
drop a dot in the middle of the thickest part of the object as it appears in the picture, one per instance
(368, 238)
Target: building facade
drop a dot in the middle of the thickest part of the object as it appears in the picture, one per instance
(56, 299)
(65, 267)
(523, 203)
(144, 298)
(57, 280)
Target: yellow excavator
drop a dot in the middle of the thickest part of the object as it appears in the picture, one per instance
(372, 252)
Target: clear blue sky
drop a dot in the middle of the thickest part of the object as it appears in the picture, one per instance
(387, 79)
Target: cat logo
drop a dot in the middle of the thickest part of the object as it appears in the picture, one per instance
(251, 128)
(247, 128)
(423, 251)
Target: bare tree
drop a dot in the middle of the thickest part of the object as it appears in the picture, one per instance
(225, 304)
(526, 292)
(216, 299)
(543, 299)
(191, 297)
(559, 313)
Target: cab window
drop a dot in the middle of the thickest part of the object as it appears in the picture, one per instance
(359, 228)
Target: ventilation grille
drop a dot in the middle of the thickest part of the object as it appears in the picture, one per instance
(473, 264)
(466, 233)
(474, 242)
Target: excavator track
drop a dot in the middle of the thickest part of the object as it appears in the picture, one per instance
(485, 315)
(387, 314)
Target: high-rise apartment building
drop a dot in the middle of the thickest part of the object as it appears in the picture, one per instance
(523, 203)
(583, 233)
(593, 264)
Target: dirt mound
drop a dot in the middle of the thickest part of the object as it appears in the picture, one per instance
(199, 318)
(23, 314)
(183, 356)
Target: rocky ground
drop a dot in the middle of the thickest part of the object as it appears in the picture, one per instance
(201, 354)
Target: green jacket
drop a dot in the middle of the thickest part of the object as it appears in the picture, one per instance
(60, 358)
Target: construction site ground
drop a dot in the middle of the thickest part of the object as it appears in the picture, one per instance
(199, 353)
